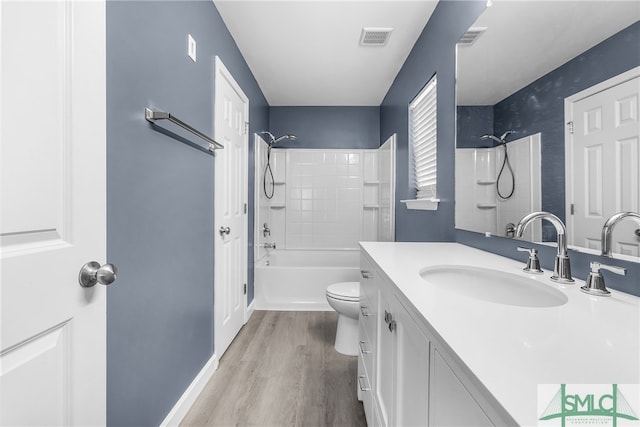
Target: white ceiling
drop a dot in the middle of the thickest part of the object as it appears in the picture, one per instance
(525, 40)
(307, 52)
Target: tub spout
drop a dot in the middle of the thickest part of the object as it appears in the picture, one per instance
(561, 267)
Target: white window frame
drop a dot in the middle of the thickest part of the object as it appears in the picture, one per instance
(423, 147)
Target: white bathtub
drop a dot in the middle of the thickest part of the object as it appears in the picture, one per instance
(296, 280)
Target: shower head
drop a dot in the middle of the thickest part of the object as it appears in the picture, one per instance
(273, 140)
(270, 136)
(495, 138)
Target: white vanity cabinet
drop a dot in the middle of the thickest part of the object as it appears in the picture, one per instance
(402, 365)
(411, 365)
(450, 402)
(403, 378)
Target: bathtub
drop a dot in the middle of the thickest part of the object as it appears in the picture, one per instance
(296, 280)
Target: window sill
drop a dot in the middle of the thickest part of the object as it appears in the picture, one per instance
(430, 204)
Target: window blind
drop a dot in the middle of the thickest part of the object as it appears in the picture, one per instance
(423, 140)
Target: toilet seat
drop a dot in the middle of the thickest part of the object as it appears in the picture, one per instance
(344, 291)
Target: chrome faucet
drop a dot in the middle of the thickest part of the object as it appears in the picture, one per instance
(607, 229)
(561, 266)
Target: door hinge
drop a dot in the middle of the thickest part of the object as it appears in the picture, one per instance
(245, 208)
(573, 210)
(246, 128)
(244, 289)
(570, 124)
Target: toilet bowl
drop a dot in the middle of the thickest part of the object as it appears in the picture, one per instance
(344, 298)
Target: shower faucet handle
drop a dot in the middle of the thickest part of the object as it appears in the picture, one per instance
(533, 263)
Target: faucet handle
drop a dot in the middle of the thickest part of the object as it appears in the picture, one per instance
(533, 263)
(595, 282)
(595, 266)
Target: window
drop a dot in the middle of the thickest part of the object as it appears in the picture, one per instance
(423, 147)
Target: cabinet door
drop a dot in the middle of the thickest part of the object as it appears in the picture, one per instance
(385, 358)
(450, 402)
(412, 371)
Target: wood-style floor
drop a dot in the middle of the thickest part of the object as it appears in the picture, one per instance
(282, 370)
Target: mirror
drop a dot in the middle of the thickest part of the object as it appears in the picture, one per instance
(517, 67)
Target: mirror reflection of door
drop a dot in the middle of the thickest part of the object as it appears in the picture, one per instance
(605, 160)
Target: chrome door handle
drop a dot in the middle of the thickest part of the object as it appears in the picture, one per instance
(224, 230)
(92, 273)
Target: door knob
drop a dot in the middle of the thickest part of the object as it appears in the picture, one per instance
(92, 273)
(224, 230)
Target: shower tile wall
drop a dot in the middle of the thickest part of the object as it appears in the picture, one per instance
(324, 199)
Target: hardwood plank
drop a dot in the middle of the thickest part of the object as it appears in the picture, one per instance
(282, 370)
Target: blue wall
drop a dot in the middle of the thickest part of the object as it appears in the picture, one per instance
(327, 127)
(473, 122)
(433, 53)
(160, 200)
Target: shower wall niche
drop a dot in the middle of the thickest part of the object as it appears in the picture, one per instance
(324, 198)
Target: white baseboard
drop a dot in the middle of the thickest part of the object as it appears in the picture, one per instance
(250, 309)
(182, 406)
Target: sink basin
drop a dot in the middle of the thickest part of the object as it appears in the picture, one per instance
(494, 286)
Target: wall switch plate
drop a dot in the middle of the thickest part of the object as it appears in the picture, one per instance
(191, 47)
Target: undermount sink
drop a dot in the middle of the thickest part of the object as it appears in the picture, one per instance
(494, 286)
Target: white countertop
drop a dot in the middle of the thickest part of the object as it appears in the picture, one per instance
(509, 349)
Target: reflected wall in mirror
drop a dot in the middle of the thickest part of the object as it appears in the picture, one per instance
(520, 65)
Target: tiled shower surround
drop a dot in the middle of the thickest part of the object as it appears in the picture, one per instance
(323, 199)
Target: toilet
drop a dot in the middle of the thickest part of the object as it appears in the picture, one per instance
(344, 297)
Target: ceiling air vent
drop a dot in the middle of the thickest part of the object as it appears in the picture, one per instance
(471, 36)
(375, 36)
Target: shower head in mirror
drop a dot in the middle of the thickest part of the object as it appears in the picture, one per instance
(288, 136)
(501, 140)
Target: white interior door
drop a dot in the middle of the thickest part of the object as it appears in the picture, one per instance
(53, 192)
(231, 124)
(605, 163)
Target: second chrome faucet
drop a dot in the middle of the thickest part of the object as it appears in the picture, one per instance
(562, 266)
